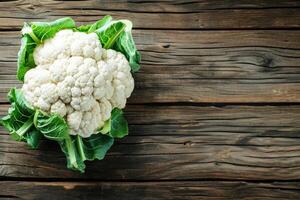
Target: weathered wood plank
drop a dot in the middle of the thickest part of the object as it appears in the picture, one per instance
(184, 15)
(166, 6)
(149, 190)
(207, 66)
(180, 143)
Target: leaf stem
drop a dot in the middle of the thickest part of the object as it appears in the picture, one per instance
(18, 135)
(106, 128)
(36, 114)
(71, 151)
(33, 36)
(80, 148)
(25, 127)
(28, 30)
(112, 40)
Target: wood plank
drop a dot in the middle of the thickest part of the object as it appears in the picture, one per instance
(179, 143)
(206, 66)
(168, 15)
(149, 190)
(166, 6)
(157, 5)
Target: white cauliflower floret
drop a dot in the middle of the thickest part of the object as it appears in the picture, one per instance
(122, 83)
(58, 70)
(64, 89)
(36, 77)
(59, 108)
(49, 93)
(106, 108)
(70, 109)
(118, 99)
(74, 120)
(91, 119)
(42, 104)
(79, 80)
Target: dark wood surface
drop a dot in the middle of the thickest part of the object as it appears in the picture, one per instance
(215, 113)
(183, 190)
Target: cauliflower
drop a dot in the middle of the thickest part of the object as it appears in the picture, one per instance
(79, 80)
(76, 80)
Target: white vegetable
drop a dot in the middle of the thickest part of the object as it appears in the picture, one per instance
(79, 80)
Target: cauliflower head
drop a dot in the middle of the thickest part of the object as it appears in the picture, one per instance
(79, 80)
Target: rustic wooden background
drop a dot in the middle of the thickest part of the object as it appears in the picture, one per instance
(215, 113)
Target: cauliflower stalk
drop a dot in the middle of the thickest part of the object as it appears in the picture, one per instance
(76, 83)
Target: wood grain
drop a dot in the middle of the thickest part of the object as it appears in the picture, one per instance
(225, 66)
(184, 15)
(155, 6)
(215, 113)
(180, 143)
(196, 190)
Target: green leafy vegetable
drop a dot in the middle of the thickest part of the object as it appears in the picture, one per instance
(125, 45)
(52, 126)
(119, 125)
(117, 35)
(25, 56)
(109, 33)
(46, 30)
(19, 121)
(90, 28)
(74, 161)
(33, 137)
(19, 134)
(55, 128)
(94, 147)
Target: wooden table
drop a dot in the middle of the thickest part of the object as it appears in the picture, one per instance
(215, 113)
